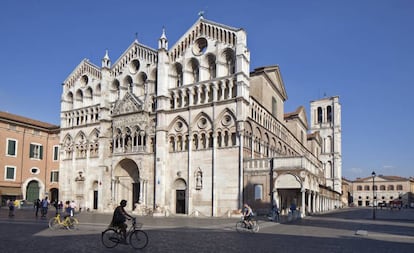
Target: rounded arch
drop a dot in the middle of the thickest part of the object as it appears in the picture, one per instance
(228, 57)
(79, 95)
(180, 184)
(210, 62)
(69, 97)
(127, 82)
(88, 92)
(126, 182)
(134, 66)
(142, 78)
(98, 89)
(115, 85)
(33, 188)
(194, 67)
(127, 168)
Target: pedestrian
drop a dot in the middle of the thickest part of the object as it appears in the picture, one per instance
(37, 206)
(275, 213)
(56, 205)
(11, 208)
(72, 208)
(45, 206)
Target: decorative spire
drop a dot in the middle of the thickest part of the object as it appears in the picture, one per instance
(136, 37)
(163, 41)
(201, 14)
(106, 61)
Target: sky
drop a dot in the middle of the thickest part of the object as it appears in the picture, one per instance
(361, 51)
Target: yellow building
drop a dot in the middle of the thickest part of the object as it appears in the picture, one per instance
(29, 164)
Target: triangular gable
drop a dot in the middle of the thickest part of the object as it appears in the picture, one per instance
(135, 51)
(204, 28)
(300, 114)
(128, 104)
(274, 78)
(84, 67)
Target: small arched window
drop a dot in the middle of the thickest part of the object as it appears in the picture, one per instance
(329, 113)
(319, 115)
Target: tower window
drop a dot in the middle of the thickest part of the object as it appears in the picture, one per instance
(329, 113)
(319, 115)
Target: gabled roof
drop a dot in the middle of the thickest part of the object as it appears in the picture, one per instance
(299, 114)
(20, 120)
(274, 77)
(83, 67)
(138, 50)
(199, 21)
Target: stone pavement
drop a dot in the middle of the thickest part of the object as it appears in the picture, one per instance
(392, 231)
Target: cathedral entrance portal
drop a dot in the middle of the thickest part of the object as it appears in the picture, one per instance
(180, 196)
(127, 183)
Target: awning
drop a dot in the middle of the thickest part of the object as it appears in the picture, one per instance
(12, 191)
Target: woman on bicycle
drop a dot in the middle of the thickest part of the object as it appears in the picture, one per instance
(247, 214)
(120, 216)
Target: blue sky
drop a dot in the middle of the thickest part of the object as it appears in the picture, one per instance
(362, 51)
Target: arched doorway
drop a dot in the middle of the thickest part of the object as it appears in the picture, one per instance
(127, 183)
(54, 194)
(32, 191)
(180, 196)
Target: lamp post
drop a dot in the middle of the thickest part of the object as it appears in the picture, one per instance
(373, 194)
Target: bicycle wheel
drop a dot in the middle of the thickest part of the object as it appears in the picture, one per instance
(240, 226)
(110, 238)
(53, 223)
(255, 227)
(138, 239)
(73, 223)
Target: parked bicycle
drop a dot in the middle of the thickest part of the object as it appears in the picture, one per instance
(68, 222)
(243, 226)
(135, 237)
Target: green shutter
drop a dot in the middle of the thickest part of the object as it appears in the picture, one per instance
(31, 152)
(11, 149)
(40, 152)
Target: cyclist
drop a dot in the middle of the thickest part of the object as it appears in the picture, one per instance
(247, 214)
(119, 218)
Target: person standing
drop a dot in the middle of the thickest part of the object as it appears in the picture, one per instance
(37, 206)
(45, 206)
(11, 208)
(72, 208)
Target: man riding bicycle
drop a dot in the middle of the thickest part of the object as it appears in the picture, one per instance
(247, 215)
(119, 218)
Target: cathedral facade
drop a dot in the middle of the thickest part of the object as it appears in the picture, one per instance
(187, 130)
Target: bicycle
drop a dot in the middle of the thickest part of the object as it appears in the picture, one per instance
(68, 222)
(135, 237)
(242, 226)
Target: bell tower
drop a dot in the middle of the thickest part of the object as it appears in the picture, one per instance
(326, 118)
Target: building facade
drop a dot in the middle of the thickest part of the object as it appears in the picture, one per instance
(189, 130)
(383, 191)
(29, 164)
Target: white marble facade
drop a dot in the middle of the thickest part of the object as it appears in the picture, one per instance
(185, 130)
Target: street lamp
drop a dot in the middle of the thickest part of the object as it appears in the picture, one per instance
(373, 194)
